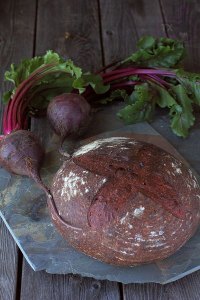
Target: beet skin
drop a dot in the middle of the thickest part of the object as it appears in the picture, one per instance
(21, 153)
(68, 114)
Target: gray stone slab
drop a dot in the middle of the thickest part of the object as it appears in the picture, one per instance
(24, 211)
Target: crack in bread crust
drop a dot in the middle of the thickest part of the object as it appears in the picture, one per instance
(139, 173)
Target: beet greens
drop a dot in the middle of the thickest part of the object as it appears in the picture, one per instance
(149, 77)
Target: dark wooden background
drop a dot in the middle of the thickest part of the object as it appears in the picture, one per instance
(92, 33)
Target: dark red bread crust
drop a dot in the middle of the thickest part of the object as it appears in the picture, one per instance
(129, 202)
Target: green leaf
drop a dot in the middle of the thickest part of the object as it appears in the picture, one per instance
(141, 105)
(134, 78)
(182, 117)
(79, 84)
(160, 52)
(96, 82)
(164, 98)
(51, 57)
(11, 74)
(115, 95)
(33, 64)
(6, 97)
(191, 82)
(146, 42)
(18, 73)
(72, 69)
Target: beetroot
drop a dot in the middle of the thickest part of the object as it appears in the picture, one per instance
(21, 153)
(68, 114)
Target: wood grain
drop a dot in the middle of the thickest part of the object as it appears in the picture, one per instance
(16, 36)
(123, 22)
(183, 289)
(71, 29)
(69, 287)
(8, 266)
(16, 42)
(143, 292)
(182, 21)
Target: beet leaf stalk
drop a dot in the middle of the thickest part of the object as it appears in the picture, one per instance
(152, 77)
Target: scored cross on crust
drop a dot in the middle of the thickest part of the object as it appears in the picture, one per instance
(128, 171)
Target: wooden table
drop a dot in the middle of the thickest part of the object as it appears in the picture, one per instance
(93, 33)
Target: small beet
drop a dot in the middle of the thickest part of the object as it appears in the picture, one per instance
(21, 153)
(68, 114)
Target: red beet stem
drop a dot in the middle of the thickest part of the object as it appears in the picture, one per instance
(10, 122)
(124, 84)
(31, 78)
(109, 77)
(149, 78)
(22, 114)
(159, 80)
(108, 66)
(15, 106)
(9, 116)
(6, 128)
(134, 71)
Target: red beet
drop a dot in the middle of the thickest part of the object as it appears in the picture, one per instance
(21, 153)
(68, 114)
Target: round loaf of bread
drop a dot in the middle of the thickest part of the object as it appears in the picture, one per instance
(125, 202)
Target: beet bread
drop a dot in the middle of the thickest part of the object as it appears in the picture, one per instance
(125, 202)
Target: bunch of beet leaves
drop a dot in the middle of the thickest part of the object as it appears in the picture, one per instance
(149, 77)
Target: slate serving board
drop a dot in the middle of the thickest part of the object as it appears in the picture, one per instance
(24, 211)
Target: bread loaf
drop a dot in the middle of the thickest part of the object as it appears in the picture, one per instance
(125, 202)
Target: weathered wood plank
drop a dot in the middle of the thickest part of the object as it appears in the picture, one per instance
(8, 266)
(123, 22)
(58, 287)
(16, 42)
(71, 29)
(183, 289)
(182, 21)
(144, 291)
